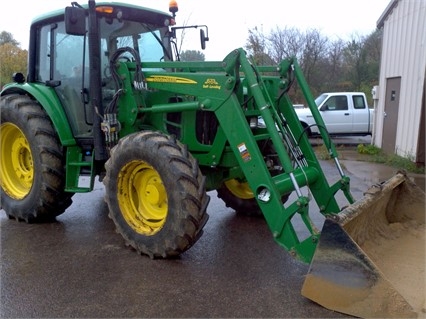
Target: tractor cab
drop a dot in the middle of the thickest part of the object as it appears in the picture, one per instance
(60, 53)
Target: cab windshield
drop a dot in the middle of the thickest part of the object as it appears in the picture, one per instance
(150, 42)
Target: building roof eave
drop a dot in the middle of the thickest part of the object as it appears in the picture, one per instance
(392, 4)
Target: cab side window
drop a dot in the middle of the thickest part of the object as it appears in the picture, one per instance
(59, 55)
(62, 63)
(359, 102)
(337, 103)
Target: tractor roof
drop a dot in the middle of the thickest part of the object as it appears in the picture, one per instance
(59, 12)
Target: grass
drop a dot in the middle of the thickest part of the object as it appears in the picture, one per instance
(377, 155)
(374, 154)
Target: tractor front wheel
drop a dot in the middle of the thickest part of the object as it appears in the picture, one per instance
(156, 194)
(32, 174)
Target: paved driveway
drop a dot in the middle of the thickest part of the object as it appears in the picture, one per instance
(79, 267)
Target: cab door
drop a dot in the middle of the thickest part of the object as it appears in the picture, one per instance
(336, 114)
(62, 62)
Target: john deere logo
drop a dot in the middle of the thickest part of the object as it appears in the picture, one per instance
(169, 79)
(211, 84)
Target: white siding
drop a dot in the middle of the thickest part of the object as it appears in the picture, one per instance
(404, 55)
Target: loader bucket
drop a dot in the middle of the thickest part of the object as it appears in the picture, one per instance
(370, 259)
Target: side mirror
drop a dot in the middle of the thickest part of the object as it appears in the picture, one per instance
(75, 21)
(324, 107)
(203, 39)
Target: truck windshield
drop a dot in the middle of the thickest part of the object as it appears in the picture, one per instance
(320, 99)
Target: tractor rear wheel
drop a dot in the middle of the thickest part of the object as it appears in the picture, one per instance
(32, 174)
(239, 196)
(156, 194)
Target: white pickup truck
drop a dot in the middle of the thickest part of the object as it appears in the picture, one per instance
(344, 113)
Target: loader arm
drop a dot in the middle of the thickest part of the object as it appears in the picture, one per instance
(218, 88)
(309, 223)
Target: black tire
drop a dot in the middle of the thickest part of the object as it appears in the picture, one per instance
(32, 174)
(238, 196)
(156, 194)
(307, 130)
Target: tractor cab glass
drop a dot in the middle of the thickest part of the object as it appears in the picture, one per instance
(62, 53)
(62, 62)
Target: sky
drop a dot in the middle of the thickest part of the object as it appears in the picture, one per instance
(228, 21)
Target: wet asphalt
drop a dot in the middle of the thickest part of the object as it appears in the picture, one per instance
(79, 267)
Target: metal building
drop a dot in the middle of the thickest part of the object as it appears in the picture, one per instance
(399, 125)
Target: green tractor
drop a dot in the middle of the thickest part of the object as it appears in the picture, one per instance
(106, 96)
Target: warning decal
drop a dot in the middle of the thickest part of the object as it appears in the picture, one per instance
(245, 155)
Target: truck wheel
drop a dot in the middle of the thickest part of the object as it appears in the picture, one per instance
(307, 129)
(156, 194)
(32, 175)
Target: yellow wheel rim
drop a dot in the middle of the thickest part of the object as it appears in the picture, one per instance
(142, 197)
(240, 190)
(16, 165)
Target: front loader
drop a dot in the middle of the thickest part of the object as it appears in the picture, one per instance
(106, 96)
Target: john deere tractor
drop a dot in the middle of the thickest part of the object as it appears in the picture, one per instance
(106, 96)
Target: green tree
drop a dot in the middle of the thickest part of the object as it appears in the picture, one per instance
(328, 65)
(192, 55)
(12, 59)
(373, 49)
(314, 54)
(362, 59)
(256, 48)
(285, 43)
(7, 37)
(355, 58)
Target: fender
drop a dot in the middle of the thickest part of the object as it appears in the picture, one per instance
(49, 101)
(306, 118)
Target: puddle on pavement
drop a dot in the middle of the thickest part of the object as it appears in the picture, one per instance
(373, 173)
